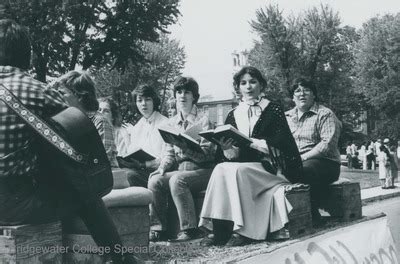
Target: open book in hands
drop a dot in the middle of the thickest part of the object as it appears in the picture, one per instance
(227, 132)
(138, 155)
(190, 137)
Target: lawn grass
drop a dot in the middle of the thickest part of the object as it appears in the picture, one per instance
(366, 178)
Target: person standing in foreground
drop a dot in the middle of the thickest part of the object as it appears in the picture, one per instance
(22, 199)
(316, 131)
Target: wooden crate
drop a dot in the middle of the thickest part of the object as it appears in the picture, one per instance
(133, 224)
(31, 244)
(343, 200)
(300, 220)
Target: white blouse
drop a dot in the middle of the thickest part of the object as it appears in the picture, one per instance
(246, 116)
(145, 135)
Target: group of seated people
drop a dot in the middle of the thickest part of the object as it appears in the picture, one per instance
(244, 198)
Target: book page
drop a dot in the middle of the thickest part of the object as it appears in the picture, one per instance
(194, 131)
(231, 128)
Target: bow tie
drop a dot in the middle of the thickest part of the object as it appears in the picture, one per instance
(254, 109)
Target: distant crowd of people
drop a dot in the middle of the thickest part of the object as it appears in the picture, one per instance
(245, 185)
(382, 154)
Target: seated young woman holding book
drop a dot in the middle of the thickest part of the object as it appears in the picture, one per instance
(245, 198)
(194, 167)
(143, 155)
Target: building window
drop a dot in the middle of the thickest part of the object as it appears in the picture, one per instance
(205, 109)
(220, 111)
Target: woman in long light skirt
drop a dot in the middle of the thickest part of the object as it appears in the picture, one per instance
(245, 198)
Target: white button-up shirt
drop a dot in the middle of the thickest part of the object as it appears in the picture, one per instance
(145, 135)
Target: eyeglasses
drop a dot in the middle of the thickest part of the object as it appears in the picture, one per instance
(299, 91)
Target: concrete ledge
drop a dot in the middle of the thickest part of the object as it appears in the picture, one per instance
(377, 193)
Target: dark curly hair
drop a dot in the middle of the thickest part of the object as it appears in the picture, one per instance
(253, 72)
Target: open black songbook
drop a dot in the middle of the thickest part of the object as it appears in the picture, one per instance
(139, 155)
(190, 137)
(226, 131)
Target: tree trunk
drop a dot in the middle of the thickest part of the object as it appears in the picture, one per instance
(164, 90)
(41, 68)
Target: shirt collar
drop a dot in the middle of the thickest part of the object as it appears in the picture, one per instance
(314, 108)
(151, 118)
(263, 103)
(191, 118)
(293, 112)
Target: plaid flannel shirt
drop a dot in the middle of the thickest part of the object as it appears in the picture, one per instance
(106, 132)
(189, 159)
(17, 156)
(317, 129)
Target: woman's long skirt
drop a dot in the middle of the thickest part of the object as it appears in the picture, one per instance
(248, 195)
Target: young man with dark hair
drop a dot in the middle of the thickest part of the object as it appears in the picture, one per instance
(193, 172)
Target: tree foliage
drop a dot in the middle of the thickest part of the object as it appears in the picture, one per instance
(91, 32)
(378, 72)
(164, 63)
(313, 45)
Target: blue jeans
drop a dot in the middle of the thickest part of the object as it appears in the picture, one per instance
(181, 185)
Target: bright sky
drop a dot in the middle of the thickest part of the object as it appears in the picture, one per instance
(211, 30)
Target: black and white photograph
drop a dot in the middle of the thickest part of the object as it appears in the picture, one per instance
(199, 131)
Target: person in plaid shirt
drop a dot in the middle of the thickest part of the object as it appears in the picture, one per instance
(22, 200)
(194, 169)
(316, 131)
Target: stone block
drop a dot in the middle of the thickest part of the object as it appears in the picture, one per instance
(31, 244)
(343, 200)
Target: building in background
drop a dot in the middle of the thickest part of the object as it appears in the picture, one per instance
(240, 59)
(217, 110)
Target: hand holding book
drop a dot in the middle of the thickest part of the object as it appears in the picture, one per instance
(131, 163)
(227, 132)
(182, 140)
(225, 143)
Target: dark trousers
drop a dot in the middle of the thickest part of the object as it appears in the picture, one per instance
(319, 173)
(24, 203)
(370, 160)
